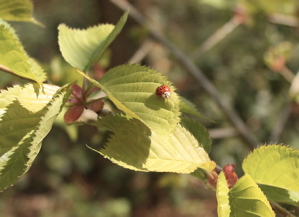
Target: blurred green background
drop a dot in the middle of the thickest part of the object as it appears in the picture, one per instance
(69, 180)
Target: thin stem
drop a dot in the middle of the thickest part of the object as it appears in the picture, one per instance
(282, 211)
(287, 74)
(195, 71)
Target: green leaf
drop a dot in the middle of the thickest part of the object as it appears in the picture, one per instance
(281, 195)
(23, 129)
(17, 10)
(247, 200)
(82, 48)
(135, 146)
(222, 194)
(132, 89)
(199, 132)
(14, 59)
(277, 167)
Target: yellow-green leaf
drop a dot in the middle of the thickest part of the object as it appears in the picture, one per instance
(81, 48)
(17, 10)
(14, 59)
(275, 166)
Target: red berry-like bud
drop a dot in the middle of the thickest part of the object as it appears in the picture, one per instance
(230, 175)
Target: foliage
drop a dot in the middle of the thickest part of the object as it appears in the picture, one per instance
(147, 132)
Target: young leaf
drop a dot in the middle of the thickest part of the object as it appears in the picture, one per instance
(132, 89)
(82, 48)
(22, 130)
(246, 199)
(222, 194)
(13, 58)
(199, 132)
(135, 146)
(17, 10)
(277, 167)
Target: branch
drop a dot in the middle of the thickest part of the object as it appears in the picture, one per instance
(195, 71)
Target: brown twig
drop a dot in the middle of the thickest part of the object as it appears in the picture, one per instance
(282, 211)
(195, 71)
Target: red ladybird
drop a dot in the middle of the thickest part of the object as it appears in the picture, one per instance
(163, 91)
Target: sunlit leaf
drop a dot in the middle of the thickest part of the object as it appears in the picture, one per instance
(247, 200)
(22, 129)
(275, 166)
(82, 48)
(222, 193)
(14, 59)
(17, 10)
(199, 132)
(132, 89)
(135, 146)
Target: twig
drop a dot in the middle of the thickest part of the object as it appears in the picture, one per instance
(284, 20)
(278, 128)
(282, 211)
(287, 74)
(141, 52)
(195, 71)
(223, 133)
(217, 37)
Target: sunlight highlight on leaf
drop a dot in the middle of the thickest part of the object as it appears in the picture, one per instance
(149, 152)
(22, 131)
(81, 48)
(14, 59)
(17, 10)
(275, 166)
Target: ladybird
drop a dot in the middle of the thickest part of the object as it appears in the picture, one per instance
(163, 91)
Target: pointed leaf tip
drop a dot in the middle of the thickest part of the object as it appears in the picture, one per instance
(81, 48)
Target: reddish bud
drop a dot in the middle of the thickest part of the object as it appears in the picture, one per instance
(77, 91)
(73, 113)
(96, 106)
(230, 175)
